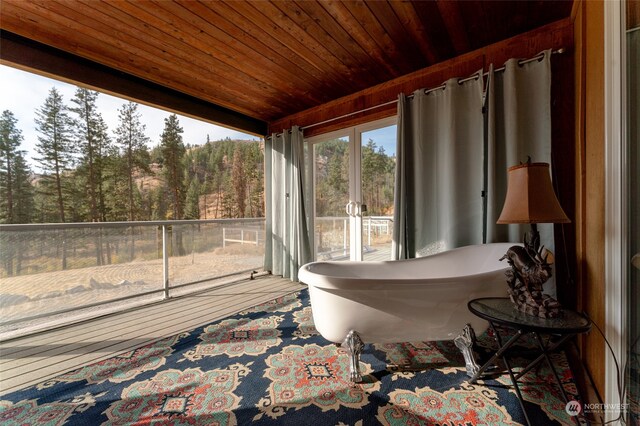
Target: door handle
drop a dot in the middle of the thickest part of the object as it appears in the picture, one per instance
(349, 208)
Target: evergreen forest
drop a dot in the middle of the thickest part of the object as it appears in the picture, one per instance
(332, 178)
(90, 173)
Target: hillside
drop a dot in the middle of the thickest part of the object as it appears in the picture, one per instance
(228, 175)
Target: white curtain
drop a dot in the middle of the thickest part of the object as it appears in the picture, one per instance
(287, 244)
(438, 194)
(518, 125)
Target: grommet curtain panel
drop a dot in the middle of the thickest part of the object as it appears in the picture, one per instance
(438, 195)
(450, 154)
(287, 245)
(518, 105)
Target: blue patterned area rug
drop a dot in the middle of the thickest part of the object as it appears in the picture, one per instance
(268, 366)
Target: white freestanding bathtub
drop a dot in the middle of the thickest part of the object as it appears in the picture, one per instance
(421, 299)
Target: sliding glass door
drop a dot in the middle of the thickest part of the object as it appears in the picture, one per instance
(331, 189)
(352, 182)
(377, 180)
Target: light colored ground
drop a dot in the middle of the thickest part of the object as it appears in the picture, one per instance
(54, 291)
(33, 295)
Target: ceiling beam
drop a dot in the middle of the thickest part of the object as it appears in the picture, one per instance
(29, 55)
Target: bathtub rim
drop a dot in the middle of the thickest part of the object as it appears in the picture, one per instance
(326, 281)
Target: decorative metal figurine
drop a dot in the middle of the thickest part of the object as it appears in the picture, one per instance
(529, 271)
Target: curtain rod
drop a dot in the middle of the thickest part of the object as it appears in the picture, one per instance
(475, 76)
(442, 86)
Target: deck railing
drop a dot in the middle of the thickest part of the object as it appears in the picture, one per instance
(50, 270)
(242, 235)
(332, 234)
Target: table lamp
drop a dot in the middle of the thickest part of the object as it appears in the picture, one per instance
(530, 199)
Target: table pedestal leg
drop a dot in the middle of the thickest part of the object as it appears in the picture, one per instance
(502, 350)
(498, 354)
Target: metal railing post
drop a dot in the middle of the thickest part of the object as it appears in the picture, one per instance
(165, 261)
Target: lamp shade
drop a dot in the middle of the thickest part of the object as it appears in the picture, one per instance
(530, 197)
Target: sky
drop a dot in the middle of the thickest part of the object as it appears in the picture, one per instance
(384, 137)
(22, 93)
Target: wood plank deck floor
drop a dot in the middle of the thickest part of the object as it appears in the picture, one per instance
(378, 254)
(33, 359)
(373, 254)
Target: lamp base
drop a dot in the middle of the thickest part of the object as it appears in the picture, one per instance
(531, 300)
(529, 271)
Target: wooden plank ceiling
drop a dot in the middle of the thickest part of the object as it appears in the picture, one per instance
(270, 59)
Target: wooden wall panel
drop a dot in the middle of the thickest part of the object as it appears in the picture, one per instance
(590, 190)
(633, 13)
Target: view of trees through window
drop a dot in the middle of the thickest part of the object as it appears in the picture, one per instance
(378, 177)
(334, 236)
(84, 171)
(332, 178)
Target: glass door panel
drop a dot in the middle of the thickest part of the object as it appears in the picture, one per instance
(377, 177)
(353, 182)
(331, 165)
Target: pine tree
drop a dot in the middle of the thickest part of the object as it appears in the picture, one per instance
(146, 197)
(116, 190)
(228, 206)
(332, 177)
(239, 180)
(192, 206)
(103, 161)
(77, 208)
(16, 195)
(255, 185)
(172, 152)
(24, 209)
(10, 140)
(132, 140)
(160, 208)
(54, 147)
(92, 141)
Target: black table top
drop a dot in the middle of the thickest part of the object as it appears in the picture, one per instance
(501, 310)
